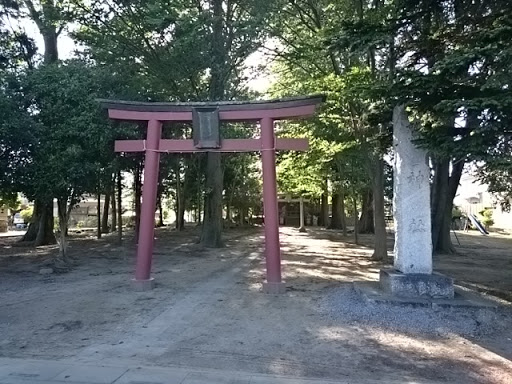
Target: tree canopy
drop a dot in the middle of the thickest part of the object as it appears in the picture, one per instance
(447, 60)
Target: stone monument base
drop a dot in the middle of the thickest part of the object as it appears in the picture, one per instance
(416, 285)
(372, 293)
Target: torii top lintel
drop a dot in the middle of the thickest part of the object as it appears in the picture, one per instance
(155, 113)
(277, 109)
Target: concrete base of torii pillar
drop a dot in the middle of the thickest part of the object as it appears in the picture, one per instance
(412, 275)
(274, 288)
(143, 285)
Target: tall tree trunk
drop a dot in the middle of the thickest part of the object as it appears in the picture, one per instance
(42, 233)
(159, 207)
(62, 210)
(180, 214)
(229, 210)
(356, 216)
(228, 214)
(439, 196)
(45, 233)
(51, 53)
(119, 208)
(242, 217)
(114, 206)
(245, 215)
(177, 213)
(199, 201)
(180, 201)
(160, 213)
(380, 251)
(40, 229)
(211, 235)
(35, 220)
(444, 190)
(104, 219)
(43, 218)
(199, 212)
(366, 224)
(444, 242)
(46, 20)
(46, 23)
(181, 217)
(336, 222)
(343, 214)
(323, 219)
(98, 215)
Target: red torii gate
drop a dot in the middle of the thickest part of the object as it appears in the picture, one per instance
(206, 117)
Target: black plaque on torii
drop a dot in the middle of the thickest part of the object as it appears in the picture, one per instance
(205, 127)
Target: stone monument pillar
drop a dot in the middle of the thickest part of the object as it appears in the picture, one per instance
(412, 274)
(411, 200)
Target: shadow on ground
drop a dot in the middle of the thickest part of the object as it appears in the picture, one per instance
(207, 310)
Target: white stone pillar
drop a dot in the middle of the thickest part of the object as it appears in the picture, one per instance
(412, 276)
(411, 199)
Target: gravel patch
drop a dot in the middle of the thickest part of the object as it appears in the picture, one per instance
(344, 305)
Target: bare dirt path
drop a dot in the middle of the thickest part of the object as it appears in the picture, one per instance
(208, 312)
(483, 263)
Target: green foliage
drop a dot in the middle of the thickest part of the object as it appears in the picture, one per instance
(242, 182)
(486, 216)
(449, 61)
(496, 171)
(9, 200)
(17, 140)
(456, 212)
(169, 44)
(27, 213)
(242, 174)
(56, 142)
(72, 133)
(346, 138)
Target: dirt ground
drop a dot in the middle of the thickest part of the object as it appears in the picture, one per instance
(207, 310)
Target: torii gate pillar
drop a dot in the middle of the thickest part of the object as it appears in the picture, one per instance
(274, 283)
(143, 279)
(264, 112)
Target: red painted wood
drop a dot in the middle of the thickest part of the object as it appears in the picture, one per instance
(270, 206)
(129, 146)
(267, 144)
(118, 114)
(285, 143)
(149, 193)
(228, 145)
(240, 115)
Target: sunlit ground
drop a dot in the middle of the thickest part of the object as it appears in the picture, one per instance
(208, 310)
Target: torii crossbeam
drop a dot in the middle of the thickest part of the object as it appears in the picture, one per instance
(206, 118)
